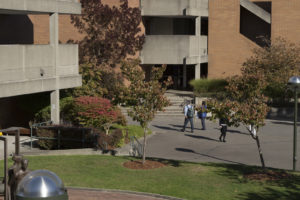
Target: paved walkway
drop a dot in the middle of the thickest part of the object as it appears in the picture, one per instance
(169, 142)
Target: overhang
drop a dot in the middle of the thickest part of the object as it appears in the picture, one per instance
(40, 6)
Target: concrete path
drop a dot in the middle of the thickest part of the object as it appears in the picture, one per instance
(203, 146)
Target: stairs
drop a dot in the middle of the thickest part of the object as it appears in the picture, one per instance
(178, 100)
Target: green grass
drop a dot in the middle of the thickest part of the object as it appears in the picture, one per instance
(180, 179)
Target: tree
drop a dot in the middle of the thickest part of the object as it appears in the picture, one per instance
(145, 98)
(111, 33)
(245, 104)
(98, 81)
(277, 62)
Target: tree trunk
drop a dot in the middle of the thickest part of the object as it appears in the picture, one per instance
(144, 145)
(260, 152)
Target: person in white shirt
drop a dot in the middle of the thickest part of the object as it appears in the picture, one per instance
(189, 116)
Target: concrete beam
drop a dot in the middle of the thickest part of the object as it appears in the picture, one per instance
(174, 7)
(9, 89)
(258, 11)
(39, 6)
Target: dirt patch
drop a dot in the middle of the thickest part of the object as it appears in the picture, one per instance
(149, 164)
(268, 176)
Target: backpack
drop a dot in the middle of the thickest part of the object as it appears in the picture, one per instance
(190, 112)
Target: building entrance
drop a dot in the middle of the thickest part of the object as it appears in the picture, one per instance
(181, 76)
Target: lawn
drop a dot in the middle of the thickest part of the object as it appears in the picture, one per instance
(207, 181)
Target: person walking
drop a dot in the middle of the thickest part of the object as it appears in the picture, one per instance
(202, 114)
(189, 116)
(223, 125)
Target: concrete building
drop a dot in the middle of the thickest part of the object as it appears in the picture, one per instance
(176, 35)
(212, 38)
(26, 67)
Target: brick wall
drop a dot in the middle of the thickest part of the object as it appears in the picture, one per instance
(228, 49)
(66, 29)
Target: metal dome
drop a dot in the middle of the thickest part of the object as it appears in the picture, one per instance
(40, 184)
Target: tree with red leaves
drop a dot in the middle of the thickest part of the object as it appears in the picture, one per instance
(111, 32)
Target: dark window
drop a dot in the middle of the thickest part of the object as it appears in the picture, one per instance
(204, 26)
(16, 29)
(169, 26)
(203, 70)
(254, 28)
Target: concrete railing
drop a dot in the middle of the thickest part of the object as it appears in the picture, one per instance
(40, 6)
(173, 49)
(30, 62)
(174, 7)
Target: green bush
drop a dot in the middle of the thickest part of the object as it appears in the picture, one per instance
(66, 111)
(204, 86)
(64, 137)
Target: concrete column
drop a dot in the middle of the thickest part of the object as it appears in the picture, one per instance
(184, 76)
(198, 71)
(198, 34)
(54, 97)
(54, 29)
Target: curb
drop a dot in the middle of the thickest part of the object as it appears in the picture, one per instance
(127, 192)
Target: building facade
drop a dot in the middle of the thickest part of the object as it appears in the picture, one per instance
(236, 26)
(176, 34)
(26, 67)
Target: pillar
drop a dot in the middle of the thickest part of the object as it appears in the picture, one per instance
(184, 76)
(198, 71)
(198, 34)
(54, 96)
(54, 100)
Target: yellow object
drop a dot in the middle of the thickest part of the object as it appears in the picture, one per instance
(1, 133)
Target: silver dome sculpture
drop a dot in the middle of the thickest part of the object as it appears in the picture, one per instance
(41, 184)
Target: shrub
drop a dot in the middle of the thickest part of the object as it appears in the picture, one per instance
(208, 85)
(114, 140)
(64, 137)
(97, 112)
(66, 111)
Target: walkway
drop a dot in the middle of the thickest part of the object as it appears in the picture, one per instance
(203, 146)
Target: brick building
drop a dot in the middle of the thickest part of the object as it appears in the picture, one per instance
(195, 38)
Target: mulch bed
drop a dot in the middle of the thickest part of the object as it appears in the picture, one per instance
(268, 176)
(149, 164)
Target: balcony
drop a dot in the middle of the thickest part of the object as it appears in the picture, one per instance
(174, 7)
(174, 49)
(28, 69)
(40, 6)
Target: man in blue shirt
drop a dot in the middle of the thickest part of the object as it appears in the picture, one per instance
(189, 116)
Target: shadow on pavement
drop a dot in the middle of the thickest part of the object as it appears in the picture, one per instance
(234, 131)
(284, 123)
(181, 126)
(201, 154)
(201, 137)
(167, 128)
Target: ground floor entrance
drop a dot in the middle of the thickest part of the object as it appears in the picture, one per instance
(181, 76)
